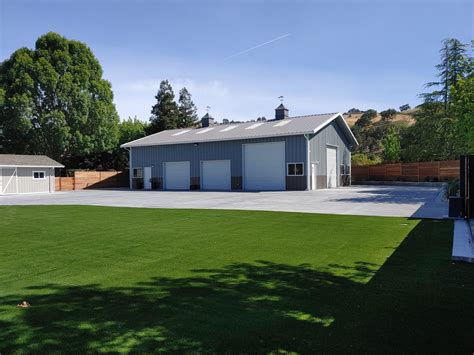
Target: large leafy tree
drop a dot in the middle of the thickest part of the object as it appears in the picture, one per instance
(462, 107)
(391, 146)
(129, 130)
(164, 114)
(432, 137)
(56, 102)
(388, 115)
(454, 65)
(444, 120)
(187, 110)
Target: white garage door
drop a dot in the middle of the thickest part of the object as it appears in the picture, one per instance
(331, 166)
(215, 175)
(264, 166)
(177, 175)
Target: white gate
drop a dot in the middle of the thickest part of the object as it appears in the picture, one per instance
(9, 181)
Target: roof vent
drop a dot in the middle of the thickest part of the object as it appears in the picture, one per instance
(207, 120)
(281, 112)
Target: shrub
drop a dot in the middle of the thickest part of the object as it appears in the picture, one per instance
(361, 159)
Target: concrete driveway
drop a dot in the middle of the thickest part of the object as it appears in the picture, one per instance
(399, 201)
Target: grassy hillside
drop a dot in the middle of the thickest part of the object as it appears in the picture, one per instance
(405, 116)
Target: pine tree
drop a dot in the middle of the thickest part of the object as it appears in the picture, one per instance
(164, 114)
(187, 110)
(454, 65)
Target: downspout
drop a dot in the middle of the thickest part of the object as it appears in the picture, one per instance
(130, 169)
(308, 166)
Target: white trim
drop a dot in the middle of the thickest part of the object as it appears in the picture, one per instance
(295, 162)
(38, 172)
(1, 181)
(321, 126)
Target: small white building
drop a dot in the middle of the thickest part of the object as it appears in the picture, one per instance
(27, 173)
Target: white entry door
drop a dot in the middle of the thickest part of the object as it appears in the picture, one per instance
(314, 176)
(177, 175)
(331, 166)
(1, 180)
(147, 178)
(215, 175)
(264, 166)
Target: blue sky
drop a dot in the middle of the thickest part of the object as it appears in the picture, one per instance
(334, 54)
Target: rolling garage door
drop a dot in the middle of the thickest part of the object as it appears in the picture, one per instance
(215, 175)
(331, 166)
(177, 175)
(264, 166)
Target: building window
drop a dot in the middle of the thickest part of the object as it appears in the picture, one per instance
(295, 169)
(39, 175)
(137, 173)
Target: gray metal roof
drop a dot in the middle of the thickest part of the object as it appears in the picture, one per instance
(287, 127)
(13, 160)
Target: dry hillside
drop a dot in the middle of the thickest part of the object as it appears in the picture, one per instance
(401, 116)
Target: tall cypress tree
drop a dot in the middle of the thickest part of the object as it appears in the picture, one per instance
(164, 114)
(187, 110)
(454, 65)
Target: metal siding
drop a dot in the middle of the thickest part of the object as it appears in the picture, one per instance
(155, 156)
(330, 135)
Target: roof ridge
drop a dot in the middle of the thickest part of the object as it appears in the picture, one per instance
(315, 114)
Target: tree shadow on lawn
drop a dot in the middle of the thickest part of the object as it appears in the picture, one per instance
(413, 303)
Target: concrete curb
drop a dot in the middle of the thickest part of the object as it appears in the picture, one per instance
(463, 243)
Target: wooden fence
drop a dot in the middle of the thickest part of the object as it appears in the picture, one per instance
(423, 171)
(92, 180)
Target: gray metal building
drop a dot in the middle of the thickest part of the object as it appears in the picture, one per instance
(297, 153)
(27, 173)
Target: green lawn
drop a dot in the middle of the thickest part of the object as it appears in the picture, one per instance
(123, 279)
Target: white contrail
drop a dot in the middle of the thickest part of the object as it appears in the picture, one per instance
(258, 46)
